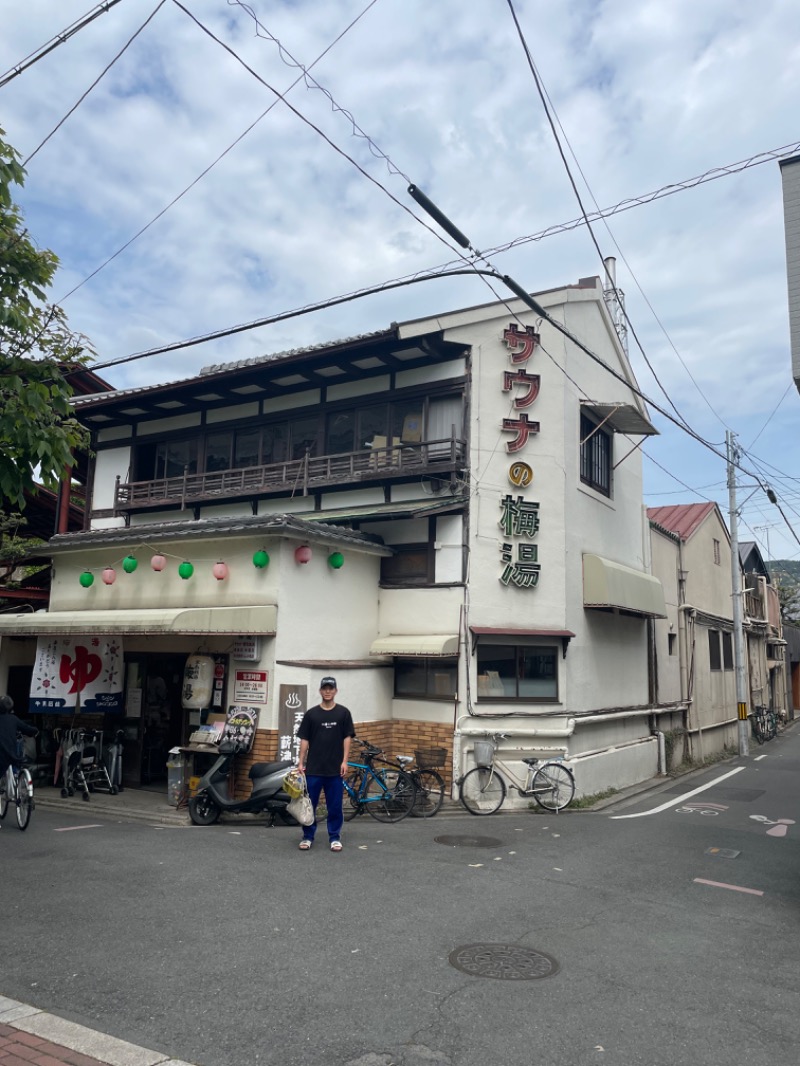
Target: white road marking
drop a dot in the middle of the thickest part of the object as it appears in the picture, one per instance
(758, 758)
(678, 799)
(69, 828)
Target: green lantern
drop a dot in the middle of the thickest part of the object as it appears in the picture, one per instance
(336, 560)
(86, 579)
(186, 570)
(129, 563)
(260, 559)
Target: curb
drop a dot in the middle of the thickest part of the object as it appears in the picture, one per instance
(70, 1035)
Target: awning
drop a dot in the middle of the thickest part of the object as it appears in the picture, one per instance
(514, 633)
(610, 585)
(428, 644)
(621, 418)
(236, 621)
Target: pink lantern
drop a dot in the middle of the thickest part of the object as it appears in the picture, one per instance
(158, 562)
(220, 570)
(109, 575)
(302, 554)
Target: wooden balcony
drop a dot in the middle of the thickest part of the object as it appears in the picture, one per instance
(300, 477)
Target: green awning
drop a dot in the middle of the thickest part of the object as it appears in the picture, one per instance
(612, 586)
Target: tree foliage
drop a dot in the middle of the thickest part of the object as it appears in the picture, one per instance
(38, 431)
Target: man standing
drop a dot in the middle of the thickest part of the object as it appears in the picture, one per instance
(325, 734)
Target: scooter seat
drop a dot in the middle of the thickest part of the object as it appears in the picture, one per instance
(264, 769)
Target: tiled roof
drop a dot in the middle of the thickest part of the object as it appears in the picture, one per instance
(256, 525)
(681, 518)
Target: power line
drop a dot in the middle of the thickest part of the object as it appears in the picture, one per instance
(96, 81)
(211, 165)
(60, 38)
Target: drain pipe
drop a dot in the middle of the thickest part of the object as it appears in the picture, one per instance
(662, 753)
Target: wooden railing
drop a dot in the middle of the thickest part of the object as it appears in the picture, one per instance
(298, 476)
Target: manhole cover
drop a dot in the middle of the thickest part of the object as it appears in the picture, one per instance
(503, 962)
(463, 841)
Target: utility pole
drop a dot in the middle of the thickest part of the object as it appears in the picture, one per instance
(736, 586)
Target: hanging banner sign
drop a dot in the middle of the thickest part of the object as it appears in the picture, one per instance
(292, 705)
(77, 673)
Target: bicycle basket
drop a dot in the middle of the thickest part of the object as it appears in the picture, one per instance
(430, 758)
(484, 752)
(293, 784)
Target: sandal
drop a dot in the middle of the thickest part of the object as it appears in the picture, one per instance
(336, 845)
(305, 845)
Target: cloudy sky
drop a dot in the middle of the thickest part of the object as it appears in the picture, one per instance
(646, 95)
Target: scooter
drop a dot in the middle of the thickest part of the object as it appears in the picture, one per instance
(267, 795)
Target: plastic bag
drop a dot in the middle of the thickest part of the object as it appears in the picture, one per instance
(301, 809)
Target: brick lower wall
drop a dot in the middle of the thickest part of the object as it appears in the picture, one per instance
(395, 738)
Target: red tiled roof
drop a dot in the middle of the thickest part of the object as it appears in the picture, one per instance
(680, 518)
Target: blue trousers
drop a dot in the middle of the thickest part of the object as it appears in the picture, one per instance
(334, 791)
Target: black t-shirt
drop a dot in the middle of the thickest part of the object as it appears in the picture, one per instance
(325, 732)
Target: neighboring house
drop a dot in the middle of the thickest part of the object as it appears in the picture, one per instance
(446, 515)
(791, 634)
(762, 620)
(695, 644)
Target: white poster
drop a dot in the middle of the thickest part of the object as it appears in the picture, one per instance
(72, 672)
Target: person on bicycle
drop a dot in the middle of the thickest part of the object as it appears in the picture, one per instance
(10, 725)
(325, 734)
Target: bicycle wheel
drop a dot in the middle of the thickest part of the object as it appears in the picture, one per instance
(430, 794)
(482, 790)
(24, 799)
(3, 795)
(390, 795)
(351, 805)
(757, 730)
(553, 787)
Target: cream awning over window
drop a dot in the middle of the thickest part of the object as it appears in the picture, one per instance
(261, 620)
(416, 644)
(611, 585)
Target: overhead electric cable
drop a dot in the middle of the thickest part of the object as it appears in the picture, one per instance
(211, 165)
(60, 38)
(99, 78)
(772, 415)
(611, 281)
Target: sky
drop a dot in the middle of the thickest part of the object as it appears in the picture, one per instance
(311, 201)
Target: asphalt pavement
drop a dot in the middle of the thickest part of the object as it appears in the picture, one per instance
(661, 929)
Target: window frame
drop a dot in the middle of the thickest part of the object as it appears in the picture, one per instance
(520, 649)
(430, 663)
(727, 650)
(416, 580)
(596, 455)
(714, 650)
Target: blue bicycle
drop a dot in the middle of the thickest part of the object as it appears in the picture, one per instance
(385, 792)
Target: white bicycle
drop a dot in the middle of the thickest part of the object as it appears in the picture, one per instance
(17, 787)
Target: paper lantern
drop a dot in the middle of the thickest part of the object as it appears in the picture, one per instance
(336, 560)
(129, 563)
(86, 579)
(109, 575)
(186, 570)
(302, 554)
(220, 570)
(260, 559)
(158, 562)
(198, 682)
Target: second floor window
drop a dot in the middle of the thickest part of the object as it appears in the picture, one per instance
(717, 555)
(595, 456)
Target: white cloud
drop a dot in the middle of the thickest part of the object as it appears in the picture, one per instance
(648, 93)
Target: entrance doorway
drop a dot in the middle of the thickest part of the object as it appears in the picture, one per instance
(154, 717)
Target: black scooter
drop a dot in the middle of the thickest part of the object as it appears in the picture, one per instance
(267, 795)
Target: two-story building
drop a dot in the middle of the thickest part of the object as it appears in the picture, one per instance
(445, 514)
(694, 644)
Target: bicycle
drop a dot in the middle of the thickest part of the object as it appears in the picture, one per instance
(428, 783)
(482, 790)
(763, 723)
(17, 788)
(387, 794)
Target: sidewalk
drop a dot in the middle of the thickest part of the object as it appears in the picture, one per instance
(31, 1037)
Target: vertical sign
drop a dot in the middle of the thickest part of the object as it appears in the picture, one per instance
(292, 705)
(520, 517)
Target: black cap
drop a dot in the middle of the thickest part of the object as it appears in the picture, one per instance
(328, 681)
